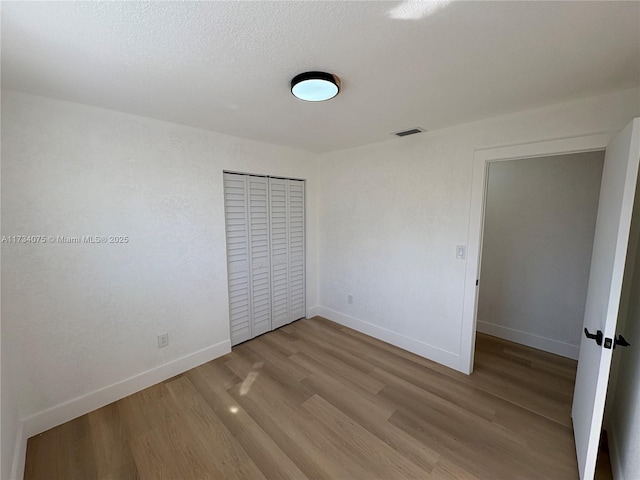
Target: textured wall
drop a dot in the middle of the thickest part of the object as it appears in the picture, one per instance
(540, 218)
(79, 317)
(392, 213)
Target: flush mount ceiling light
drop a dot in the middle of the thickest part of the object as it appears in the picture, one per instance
(315, 86)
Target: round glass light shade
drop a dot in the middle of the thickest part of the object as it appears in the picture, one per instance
(315, 86)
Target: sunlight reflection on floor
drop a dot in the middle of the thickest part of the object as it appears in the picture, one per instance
(246, 385)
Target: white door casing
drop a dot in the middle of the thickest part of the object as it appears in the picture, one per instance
(482, 159)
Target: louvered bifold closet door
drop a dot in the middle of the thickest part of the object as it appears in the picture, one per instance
(236, 213)
(260, 255)
(279, 252)
(296, 250)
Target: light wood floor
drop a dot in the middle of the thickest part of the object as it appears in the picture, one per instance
(317, 400)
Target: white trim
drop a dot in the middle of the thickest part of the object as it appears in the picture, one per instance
(412, 345)
(19, 454)
(545, 148)
(76, 407)
(482, 158)
(617, 470)
(312, 311)
(529, 339)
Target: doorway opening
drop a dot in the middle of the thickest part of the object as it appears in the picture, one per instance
(539, 224)
(537, 240)
(482, 162)
(611, 245)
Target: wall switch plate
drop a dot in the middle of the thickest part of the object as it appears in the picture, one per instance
(461, 251)
(163, 340)
(350, 299)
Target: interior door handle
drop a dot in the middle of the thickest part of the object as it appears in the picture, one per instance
(620, 341)
(594, 336)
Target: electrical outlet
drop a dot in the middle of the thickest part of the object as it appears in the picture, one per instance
(163, 340)
(350, 299)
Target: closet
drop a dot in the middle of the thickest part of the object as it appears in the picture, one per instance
(265, 253)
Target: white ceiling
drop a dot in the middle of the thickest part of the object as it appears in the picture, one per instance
(226, 66)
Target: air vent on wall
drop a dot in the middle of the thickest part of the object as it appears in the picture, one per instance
(412, 131)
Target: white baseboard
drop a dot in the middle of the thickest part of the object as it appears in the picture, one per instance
(312, 311)
(412, 345)
(19, 454)
(76, 407)
(541, 343)
(614, 455)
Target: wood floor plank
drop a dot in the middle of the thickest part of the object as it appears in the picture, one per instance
(322, 377)
(282, 342)
(113, 457)
(304, 340)
(265, 453)
(474, 456)
(167, 453)
(451, 428)
(435, 389)
(556, 409)
(64, 452)
(144, 410)
(250, 364)
(342, 365)
(386, 462)
(280, 361)
(454, 420)
(320, 455)
(420, 454)
(447, 470)
(317, 400)
(218, 375)
(535, 359)
(206, 429)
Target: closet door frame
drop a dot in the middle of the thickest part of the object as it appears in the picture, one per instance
(268, 178)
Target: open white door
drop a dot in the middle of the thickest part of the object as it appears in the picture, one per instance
(603, 297)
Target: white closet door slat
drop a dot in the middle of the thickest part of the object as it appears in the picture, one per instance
(258, 188)
(296, 250)
(279, 252)
(236, 209)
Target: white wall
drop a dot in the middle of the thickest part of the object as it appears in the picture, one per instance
(392, 213)
(80, 318)
(540, 218)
